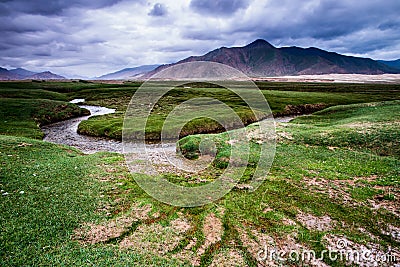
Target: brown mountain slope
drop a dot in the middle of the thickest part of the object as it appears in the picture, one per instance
(260, 59)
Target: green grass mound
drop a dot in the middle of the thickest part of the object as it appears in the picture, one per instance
(373, 126)
(22, 117)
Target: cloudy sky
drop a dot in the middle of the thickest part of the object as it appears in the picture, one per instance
(93, 37)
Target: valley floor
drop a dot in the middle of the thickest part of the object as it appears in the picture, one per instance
(334, 184)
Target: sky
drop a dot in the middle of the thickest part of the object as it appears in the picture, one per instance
(88, 38)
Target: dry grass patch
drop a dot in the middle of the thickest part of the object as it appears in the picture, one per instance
(155, 238)
(260, 245)
(335, 189)
(255, 241)
(228, 258)
(213, 230)
(375, 254)
(313, 223)
(91, 233)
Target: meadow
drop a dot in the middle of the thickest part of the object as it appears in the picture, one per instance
(335, 177)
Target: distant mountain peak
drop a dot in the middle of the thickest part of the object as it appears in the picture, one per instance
(23, 74)
(260, 43)
(46, 75)
(128, 73)
(261, 59)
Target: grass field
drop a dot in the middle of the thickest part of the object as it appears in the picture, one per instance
(335, 177)
(281, 99)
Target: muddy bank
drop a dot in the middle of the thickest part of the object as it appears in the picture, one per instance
(297, 110)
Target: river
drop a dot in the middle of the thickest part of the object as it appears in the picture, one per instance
(65, 132)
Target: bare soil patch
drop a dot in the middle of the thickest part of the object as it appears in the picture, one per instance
(375, 254)
(312, 222)
(155, 238)
(228, 258)
(90, 233)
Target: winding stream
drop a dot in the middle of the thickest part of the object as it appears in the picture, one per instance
(65, 132)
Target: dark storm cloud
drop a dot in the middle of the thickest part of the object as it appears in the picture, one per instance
(96, 35)
(211, 35)
(50, 7)
(285, 22)
(217, 7)
(42, 54)
(158, 10)
(331, 19)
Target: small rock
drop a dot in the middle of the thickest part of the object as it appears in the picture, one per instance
(34, 174)
(22, 192)
(5, 194)
(24, 144)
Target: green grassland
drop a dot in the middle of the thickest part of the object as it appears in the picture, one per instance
(283, 98)
(61, 207)
(282, 102)
(370, 126)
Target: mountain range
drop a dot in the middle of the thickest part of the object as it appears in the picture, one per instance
(128, 73)
(392, 63)
(23, 74)
(261, 59)
(257, 59)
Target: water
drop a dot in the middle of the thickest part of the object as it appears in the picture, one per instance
(65, 132)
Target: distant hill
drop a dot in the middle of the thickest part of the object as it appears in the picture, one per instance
(47, 75)
(7, 75)
(392, 63)
(23, 74)
(128, 73)
(261, 59)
